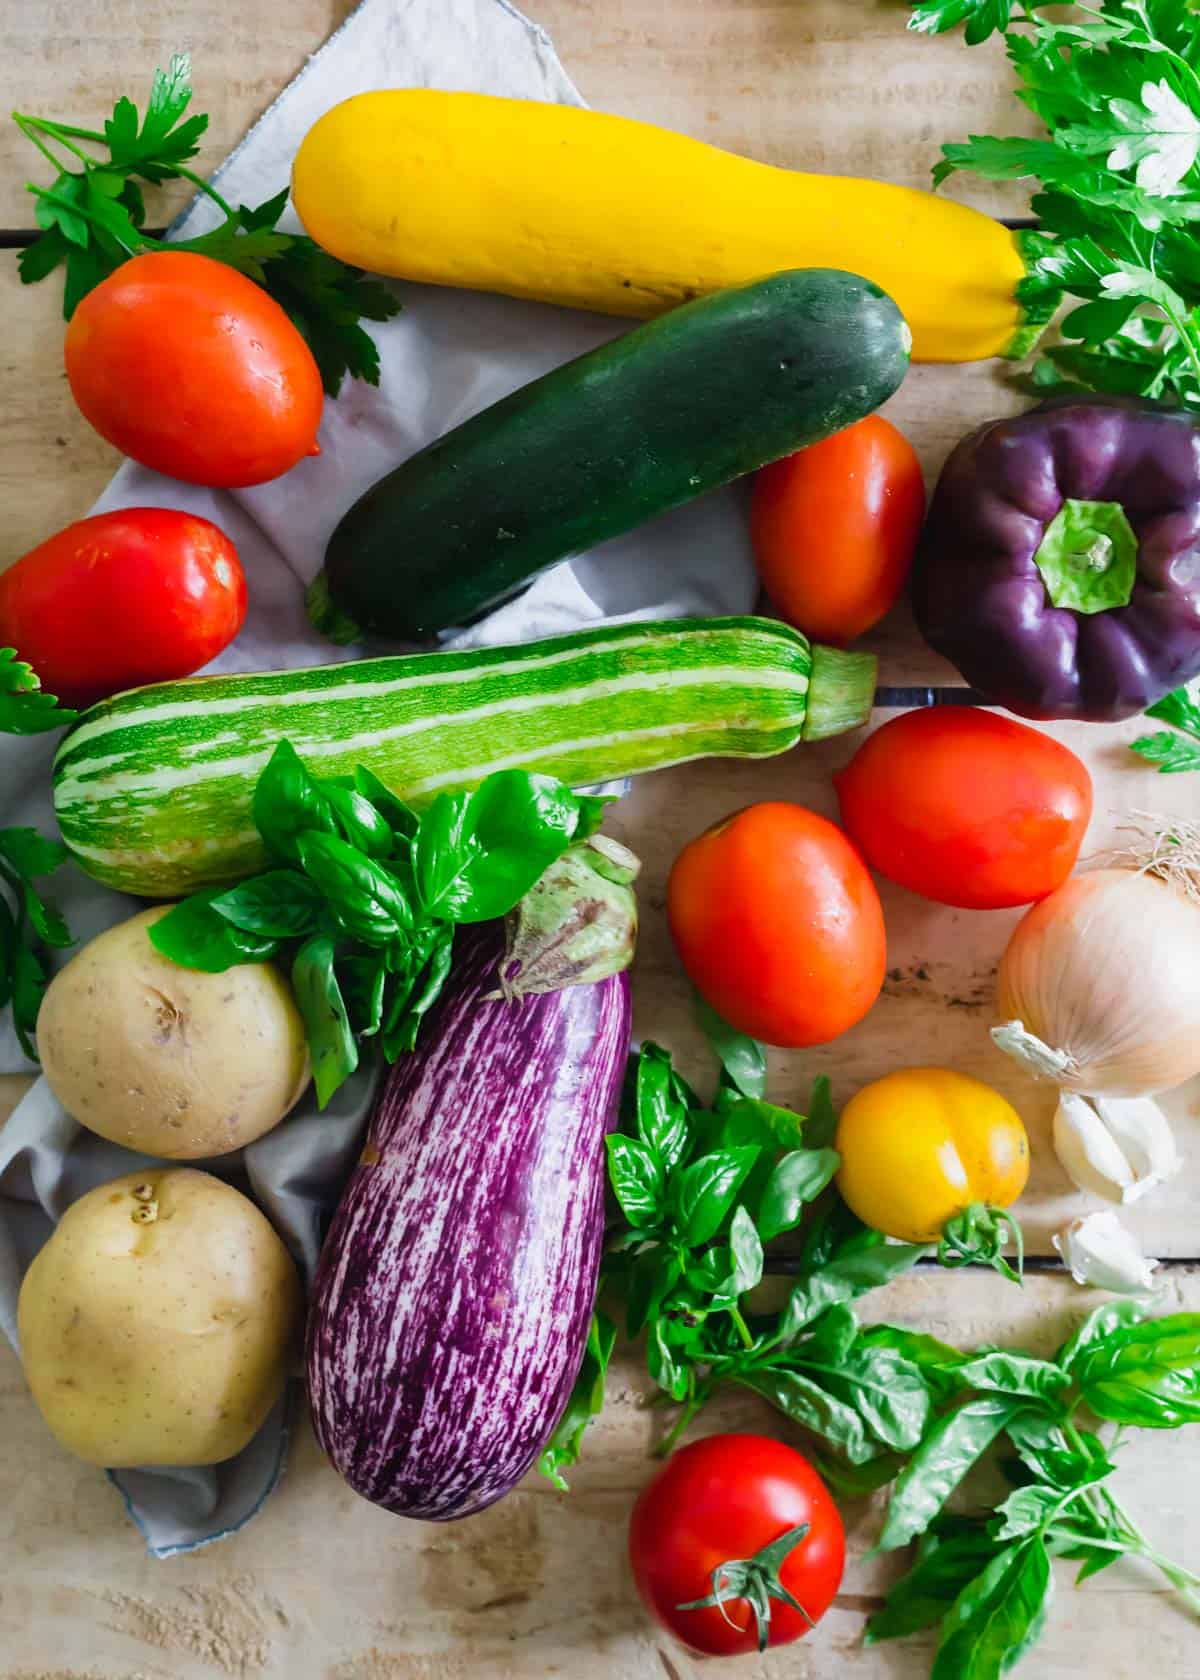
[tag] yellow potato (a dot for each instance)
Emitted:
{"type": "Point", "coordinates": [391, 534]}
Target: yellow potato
{"type": "Point", "coordinates": [167, 1060]}
{"type": "Point", "coordinates": [157, 1323]}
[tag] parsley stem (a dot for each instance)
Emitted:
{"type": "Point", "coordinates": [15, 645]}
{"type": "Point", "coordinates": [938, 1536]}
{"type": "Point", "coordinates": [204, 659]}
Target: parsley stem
{"type": "Point", "coordinates": [206, 188]}
{"type": "Point", "coordinates": [60, 130]}
{"type": "Point", "coordinates": [23, 123]}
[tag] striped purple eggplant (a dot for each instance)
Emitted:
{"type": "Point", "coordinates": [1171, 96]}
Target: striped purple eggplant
{"type": "Point", "coordinates": [454, 1291]}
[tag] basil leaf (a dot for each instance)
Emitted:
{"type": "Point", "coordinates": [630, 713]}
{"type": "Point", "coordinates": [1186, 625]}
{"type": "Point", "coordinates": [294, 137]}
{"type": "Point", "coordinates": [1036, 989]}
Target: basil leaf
{"type": "Point", "coordinates": [661, 1113]}
{"type": "Point", "coordinates": [796, 1179]}
{"type": "Point", "coordinates": [921, 1598]}
{"type": "Point", "coordinates": [476, 854]}
{"type": "Point", "coordinates": [712, 1272]}
{"type": "Point", "coordinates": [652, 1275]}
{"type": "Point", "coordinates": [833, 1335]}
{"type": "Point", "coordinates": [1045, 1450]}
{"type": "Point", "coordinates": [857, 1481]}
{"type": "Point", "coordinates": [749, 1120]}
{"type": "Point", "coordinates": [888, 1391]}
{"type": "Point", "coordinates": [662, 1363]}
{"type": "Point", "coordinates": [431, 958]}
{"type": "Point", "coordinates": [358, 822]}
{"type": "Point", "coordinates": [193, 935]}
{"type": "Point", "coordinates": [706, 1191]}
{"type": "Point", "coordinates": [952, 1446]}
{"type": "Point", "coordinates": [812, 1406]}
{"type": "Point", "coordinates": [363, 982]}
{"type": "Point", "coordinates": [1145, 1374]}
{"type": "Point", "coordinates": [1100, 1323]}
{"type": "Point", "coordinates": [996, 1617]}
{"type": "Point", "coordinates": [820, 1125]}
{"type": "Point", "coordinates": [937, 1361]}
{"type": "Point", "coordinates": [364, 898]}
{"type": "Point", "coordinates": [845, 1279]}
{"type": "Point", "coordinates": [1027, 1510]}
{"type": "Point", "coordinates": [400, 818]}
{"type": "Point", "coordinates": [586, 1400]}
{"type": "Point", "coordinates": [281, 904]}
{"type": "Point", "coordinates": [832, 1231]}
{"type": "Point", "coordinates": [287, 803]}
{"type": "Point", "coordinates": [746, 1251]}
{"type": "Point", "coordinates": [318, 997]}
{"type": "Point", "coordinates": [744, 1059]}
{"type": "Point", "coordinates": [1010, 1373]}
{"type": "Point", "coordinates": [636, 1177]}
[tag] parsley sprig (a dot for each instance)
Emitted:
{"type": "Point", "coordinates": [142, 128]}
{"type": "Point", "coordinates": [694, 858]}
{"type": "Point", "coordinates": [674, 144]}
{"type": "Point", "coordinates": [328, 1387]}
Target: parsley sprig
{"type": "Point", "coordinates": [93, 219]}
{"type": "Point", "coordinates": [24, 708]}
{"type": "Point", "coordinates": [1117, 87]}
{"type": "Point", "coordinates": [28, 925]}
{"type": "Point", "coordinates": [1178, 748]}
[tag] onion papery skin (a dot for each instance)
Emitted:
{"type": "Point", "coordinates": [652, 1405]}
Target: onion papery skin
{"type": "Point", "coordinates": [1107, 971]}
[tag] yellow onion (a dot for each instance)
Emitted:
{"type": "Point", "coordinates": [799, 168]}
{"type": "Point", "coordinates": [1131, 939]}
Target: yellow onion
{"type": "Point", "coordinates": [1099, 988]}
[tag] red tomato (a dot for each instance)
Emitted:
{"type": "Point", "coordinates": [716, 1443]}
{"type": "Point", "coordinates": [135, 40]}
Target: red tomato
{"type": "Point", "coordinates": [121, 599]}
{"type": "Point", "coordinates": [192, 369]}
{"type": "Point", "coordinates": [778, 924]}
{"type": "Point", "coordinates": [720, 1502]}
{"type": "Point", "coordinates": [835, 527]}
{"type": "Point", "coordinates": [966, 807]}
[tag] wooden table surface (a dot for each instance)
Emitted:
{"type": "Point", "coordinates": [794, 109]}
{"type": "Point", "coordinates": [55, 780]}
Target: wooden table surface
{"type": "Point", "coordinates": [322, 1586]}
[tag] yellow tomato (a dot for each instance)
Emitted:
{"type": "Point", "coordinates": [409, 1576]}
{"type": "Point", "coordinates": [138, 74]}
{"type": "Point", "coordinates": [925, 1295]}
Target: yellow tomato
{"type": "Point", "coordinates": [922, 1145]}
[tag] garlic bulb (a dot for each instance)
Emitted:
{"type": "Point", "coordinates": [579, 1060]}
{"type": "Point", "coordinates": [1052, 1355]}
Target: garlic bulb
{"type": "Point", "coordinates": [1099, 1251]}
{"type": "Point", "coordinates": [1099, 988]}
{"type": "Point", "coordinates": [1118, 1148]}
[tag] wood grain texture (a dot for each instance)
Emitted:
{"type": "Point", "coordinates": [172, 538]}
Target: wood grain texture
{"type": "Point", "coordinates": [324, 1587]}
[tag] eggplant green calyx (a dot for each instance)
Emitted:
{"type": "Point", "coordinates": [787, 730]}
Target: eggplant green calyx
{"type": "Point", "coordinates": [976, 1237]}
{"type": "Point", "coordinates": [755, 1579]}
{"type": "Point", "coordinates": [577, 924]}
{"type": "Point", "coordinates": [1088, 557]}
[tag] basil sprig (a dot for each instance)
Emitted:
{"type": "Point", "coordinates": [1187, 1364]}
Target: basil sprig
{"type": "Point", "coordinates": [364, 894]}
{"type": "Point", "coordinates": [700, 1189]}
{"type": "Point", "coordinates": [984, 1580]}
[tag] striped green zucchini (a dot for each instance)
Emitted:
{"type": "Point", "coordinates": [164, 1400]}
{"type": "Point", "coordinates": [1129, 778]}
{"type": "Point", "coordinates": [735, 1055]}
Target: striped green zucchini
{"type": "Point", "coordinates": [152, 788]}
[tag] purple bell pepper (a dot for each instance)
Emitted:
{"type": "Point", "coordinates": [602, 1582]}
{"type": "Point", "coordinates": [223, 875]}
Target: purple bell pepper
{"type": "Point", "coordinates": [1059, 569]}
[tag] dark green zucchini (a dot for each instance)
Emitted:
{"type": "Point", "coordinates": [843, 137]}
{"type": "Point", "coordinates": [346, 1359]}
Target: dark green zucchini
{"type": "Point", "coordinates": [676, 407]}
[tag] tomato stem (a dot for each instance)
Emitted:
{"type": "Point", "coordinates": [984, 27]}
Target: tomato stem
{"type": "Point", "coordinates": [756, 1581]}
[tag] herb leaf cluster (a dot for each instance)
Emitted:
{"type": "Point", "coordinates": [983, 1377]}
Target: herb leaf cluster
{"type": "Point", "coordinates": [29, 924]}
{"type": "Point", "coordinates": [93, 219]}
{"type": "Point", "coordinates": [1118, 92]}
{"type": "Point", "coordinates": [984, 1580]}
{"type": "Point", "coordinates": [1178, 748]}
{"type": "Point", "coordinates": [24, 708]}
{"type": "Point", "coordinates": [363, 895]}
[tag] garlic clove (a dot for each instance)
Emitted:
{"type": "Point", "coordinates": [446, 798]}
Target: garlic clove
{"type": "Point", "coordinates": [1144, 1136]}
{"type": "Point", "coordinates": [1118, 1148]}
{"type": "Point", "coordinates": [1099, 1251]}
{"type": "Point", "coordinates": [1087, 1151]}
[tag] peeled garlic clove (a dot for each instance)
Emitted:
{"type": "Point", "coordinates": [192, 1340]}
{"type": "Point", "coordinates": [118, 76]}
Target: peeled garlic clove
{"type": "Point", "coordinates": [1118, 1148]}
{"type": "Point", "coordinates": [1143, 1134]}
{"type": "Point", "coordinates": [1099, 1251]}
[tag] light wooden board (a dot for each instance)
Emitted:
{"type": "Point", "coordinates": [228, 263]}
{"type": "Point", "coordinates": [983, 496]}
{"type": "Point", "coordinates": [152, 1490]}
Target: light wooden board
{"type": "Point", "coordinates": [325, 1587]}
